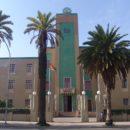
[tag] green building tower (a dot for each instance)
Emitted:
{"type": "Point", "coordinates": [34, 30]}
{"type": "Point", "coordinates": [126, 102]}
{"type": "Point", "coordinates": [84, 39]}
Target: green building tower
{"type": "Point", "coordinates": [68, 70]}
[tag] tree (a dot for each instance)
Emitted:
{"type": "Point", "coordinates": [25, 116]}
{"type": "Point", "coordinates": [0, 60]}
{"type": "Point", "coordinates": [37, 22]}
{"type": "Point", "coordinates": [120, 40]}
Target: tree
{"type": "Point", "coordinates": [44, 30]}
{"type": "Point", "coordinates": [5, 31]}
{"type": "Point", "coordinates": [108, 55]}
{"type": "Point", "coordinates": [2, 104]}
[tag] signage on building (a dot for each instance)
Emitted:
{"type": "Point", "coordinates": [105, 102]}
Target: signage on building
{"type": "Point", "coordinates": [87, 85]}
{"type": "Point", "coordinates": [67, 90]}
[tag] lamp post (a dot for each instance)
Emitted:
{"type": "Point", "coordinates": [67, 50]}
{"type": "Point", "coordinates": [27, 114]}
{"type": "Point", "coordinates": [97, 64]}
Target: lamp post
{"type": "Point", "coordinates": [33, 94]}
{"type": "Point", "coordinates": [49, 115]}
{"type": "Point", "coordinates": [49, 86]}
{"type": "Point", "coordinates": [83, 100]}
{"type": "Point", "coordinates": [33, 114]}
{"type": "Point", "coordinates": [8, 77]}
{"type": "Point", "coordinates": [34, 89]}
{"type": "Point", "coordinates": [84, 109]}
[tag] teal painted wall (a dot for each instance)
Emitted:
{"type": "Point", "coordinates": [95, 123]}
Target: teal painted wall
{"type": "Point", "coordinates": [74, 103]}
{"type": "Point", "coordinates": [61, 103]}
{"type": "Point", "coordinates": [88, 92]}
{"type": "Point", "coordinates": [86, 77]}
{"type": "Point", "coordinates": [67, 64]}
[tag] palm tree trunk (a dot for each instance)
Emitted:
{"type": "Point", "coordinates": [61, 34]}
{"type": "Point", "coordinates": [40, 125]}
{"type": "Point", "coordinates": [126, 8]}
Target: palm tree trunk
{"type": "Point", "coordinates": [42, 85]}
{"type": "Point", "coordinates": [109, 121]}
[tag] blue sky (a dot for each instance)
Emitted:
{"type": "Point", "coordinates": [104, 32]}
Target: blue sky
{"type": "Point", "coordinates": [90, 13]}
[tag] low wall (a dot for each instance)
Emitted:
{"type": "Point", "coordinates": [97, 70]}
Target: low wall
{"type": "Point", "coordinates": [15, 117]}
{"type": "Point", "coordinates": [15, 114]}
{"type": "Point", "coordinates": [121, 117]}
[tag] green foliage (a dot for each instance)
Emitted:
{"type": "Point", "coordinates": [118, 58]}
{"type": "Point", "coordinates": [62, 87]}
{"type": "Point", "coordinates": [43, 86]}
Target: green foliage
{"type": "Point", "coordinates": [2, 104]}
{"type": "Point", "coordinates": [5, 31]}
{"type": "Point", "coordinates": [43, 28]}
{"type": "Point", "coordinates": [16, 110]}
{"type": "Point", "coordinates": [120, 111]}
{"type": "Point", "coordinates": [106, 54]}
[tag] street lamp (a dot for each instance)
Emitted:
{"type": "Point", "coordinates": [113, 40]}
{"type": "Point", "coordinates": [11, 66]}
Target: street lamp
{"type": "Point", "coordinates": [83, 100]}
{"type": "Point", "coordinates": [98, 92]}
{"type": "Point", "coordinates": [83, 92]}
{"type": "Point", "coordinates": [49, 89]}
{"type": "Point", "coordinates": [49, 92]}
{"type": "Point", "coordinates": [34, 89]}
{"type": "Point", "coordinates": [49, 96]}
{"type": "Point", "coordinates": [7, 94]}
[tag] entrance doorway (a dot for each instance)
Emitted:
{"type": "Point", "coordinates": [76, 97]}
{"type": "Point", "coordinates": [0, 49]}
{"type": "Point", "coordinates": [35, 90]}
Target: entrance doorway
{"type": "Point", "coordinates": [67, 103]}
{"type": "Point", "coordinates": [89, 105]}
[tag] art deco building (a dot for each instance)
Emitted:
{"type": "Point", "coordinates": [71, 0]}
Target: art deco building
{"type": "Point", "coordinates": [65, 78]}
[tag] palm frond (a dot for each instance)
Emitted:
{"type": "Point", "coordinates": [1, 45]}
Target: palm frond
{"type": "Point", "coordinates": [5, 30]}
{"type": "Point", "coordinates": [106, 53]}
{"type": "Point", "coordinates": [44, 27]}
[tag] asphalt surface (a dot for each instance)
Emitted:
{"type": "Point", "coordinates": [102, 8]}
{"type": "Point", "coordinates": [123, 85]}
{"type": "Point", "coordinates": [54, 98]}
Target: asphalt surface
{"type": "Point", "coordinates": [64, 124]}
{"type": "Point", "coordinates": [62, 128]}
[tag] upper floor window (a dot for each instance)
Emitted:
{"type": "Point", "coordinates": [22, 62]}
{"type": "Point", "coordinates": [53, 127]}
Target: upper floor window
{"type": "Point", "coordinates": [11, 84]}
{"type": "Point", "coordinates": [125, 101]}
{"type": "Point", "coordinates": [67, 82]}
{"type": "Point", "coordinates": [87, 84]}
{"type": "Point", "coordinates": [10, 103]}
{"type": "Point", "coordinates": [66, 30]}
{"type": "Point", "coordinates": [27, 102]}
{"type": "Point", "coordinates": [28, 84]}
{"type": "Point", "coordinates": [124, 83]}
{"type": "Point", "coordinates": [29, 68]}
{"type": "Point", "coordinates": [12, 68]}
{"type": "Point", "coordinates": [48, 63]}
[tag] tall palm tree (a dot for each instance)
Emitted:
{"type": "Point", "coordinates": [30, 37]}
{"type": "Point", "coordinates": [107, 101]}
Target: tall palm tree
{"type": "Point", "coordinates": [44, 30]}
{"type": "Point", "coordinates": [106, 54]}
{"type": "Point", "coordinates": [5, 30]}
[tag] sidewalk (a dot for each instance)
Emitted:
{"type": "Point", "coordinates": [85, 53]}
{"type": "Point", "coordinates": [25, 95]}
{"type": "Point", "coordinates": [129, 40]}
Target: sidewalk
{"type": "Point", "coordinates": [19, 124]}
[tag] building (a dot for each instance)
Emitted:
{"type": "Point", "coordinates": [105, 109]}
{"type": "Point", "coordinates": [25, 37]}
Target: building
{"type": "Point", "coordinates": [65, 78]}
{"type": "Point", "coordinates": [17, 81]}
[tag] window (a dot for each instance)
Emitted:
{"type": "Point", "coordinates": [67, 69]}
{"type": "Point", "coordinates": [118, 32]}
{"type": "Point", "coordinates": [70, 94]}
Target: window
{"type": "Point", "coordinates": [87, 84]}
{"type": "Point", "coordinates": [125, 101]}
{"type": "Point", "coordinates": [48, 63]}
{"type": "Point", "coordinates": [10, 103]}
{"type": "Point", "coordinates": [67, 82]}
{"type": "Point", "coordinates": [124, 83]}
{"type": "Point", "coordinates": [66, 30]}
{"type": "Point", "coordinates": [89, 105]}
{"type": "Point", "coordinates": [27, 102]}
{"type": "Point", "coordinates": [28, 84]}
{"type": "Point", "coordinates": [29, 68]}
{"type": "Point", "coordinates": [12, 68]}
{"type": "Point", "coordinates": [11, 84]}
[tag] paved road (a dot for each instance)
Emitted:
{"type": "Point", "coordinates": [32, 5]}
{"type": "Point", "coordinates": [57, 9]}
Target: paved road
{"type": "Point", "coordinates": [63, 124]}
{"type": "Point", "coordinates": [62, 128]}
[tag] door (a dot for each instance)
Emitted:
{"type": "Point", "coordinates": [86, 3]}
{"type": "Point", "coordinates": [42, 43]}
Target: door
{"type": "Point", "coordinates": [67, 103]}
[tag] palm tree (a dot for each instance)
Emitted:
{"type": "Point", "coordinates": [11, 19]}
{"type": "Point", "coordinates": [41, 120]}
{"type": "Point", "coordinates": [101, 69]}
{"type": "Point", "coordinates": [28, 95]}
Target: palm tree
{"type": "Point", "coordinates": [106, 54]}
{"type": "Point", "coordinates": [44, 30]}
{"type": "Point", "coordinates": [5, 31]}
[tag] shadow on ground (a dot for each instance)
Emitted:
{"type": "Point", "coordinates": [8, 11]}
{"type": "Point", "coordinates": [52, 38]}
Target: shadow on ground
{"type": "Point", "coordinates": [58, 127]}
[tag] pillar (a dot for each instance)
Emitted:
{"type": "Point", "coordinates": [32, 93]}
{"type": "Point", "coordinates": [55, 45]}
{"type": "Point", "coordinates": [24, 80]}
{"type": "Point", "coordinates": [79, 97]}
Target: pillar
{"type": "Point", "coordinates": [84, 108]}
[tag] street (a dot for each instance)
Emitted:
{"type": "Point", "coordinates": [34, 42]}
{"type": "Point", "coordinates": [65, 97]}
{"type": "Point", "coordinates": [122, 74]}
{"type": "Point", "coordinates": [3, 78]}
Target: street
{"type": "Point", "coordinates": [71, 123]}
{"type": "Point", "coordinates": [64, 128]}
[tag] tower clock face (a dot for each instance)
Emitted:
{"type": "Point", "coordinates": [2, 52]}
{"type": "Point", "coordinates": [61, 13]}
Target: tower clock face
{"type": "Point", "coordinates": [66, 10]}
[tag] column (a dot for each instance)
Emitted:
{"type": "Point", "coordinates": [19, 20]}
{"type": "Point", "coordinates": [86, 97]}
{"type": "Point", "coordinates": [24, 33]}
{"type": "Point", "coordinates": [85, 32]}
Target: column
{"type": "Point", "coordinates": [84, 107]}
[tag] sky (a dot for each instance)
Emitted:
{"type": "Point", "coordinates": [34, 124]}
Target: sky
{"type": "Point", "coordinates": [90, 13]}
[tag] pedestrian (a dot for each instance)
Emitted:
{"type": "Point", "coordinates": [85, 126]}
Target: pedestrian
{"type": "Point", "coordinates": [101, 116]}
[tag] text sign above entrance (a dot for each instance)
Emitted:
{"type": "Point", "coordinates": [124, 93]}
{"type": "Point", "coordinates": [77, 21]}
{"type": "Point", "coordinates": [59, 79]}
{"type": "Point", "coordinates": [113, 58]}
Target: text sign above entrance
{"type": "Point", "coordinates": [67, 90]}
